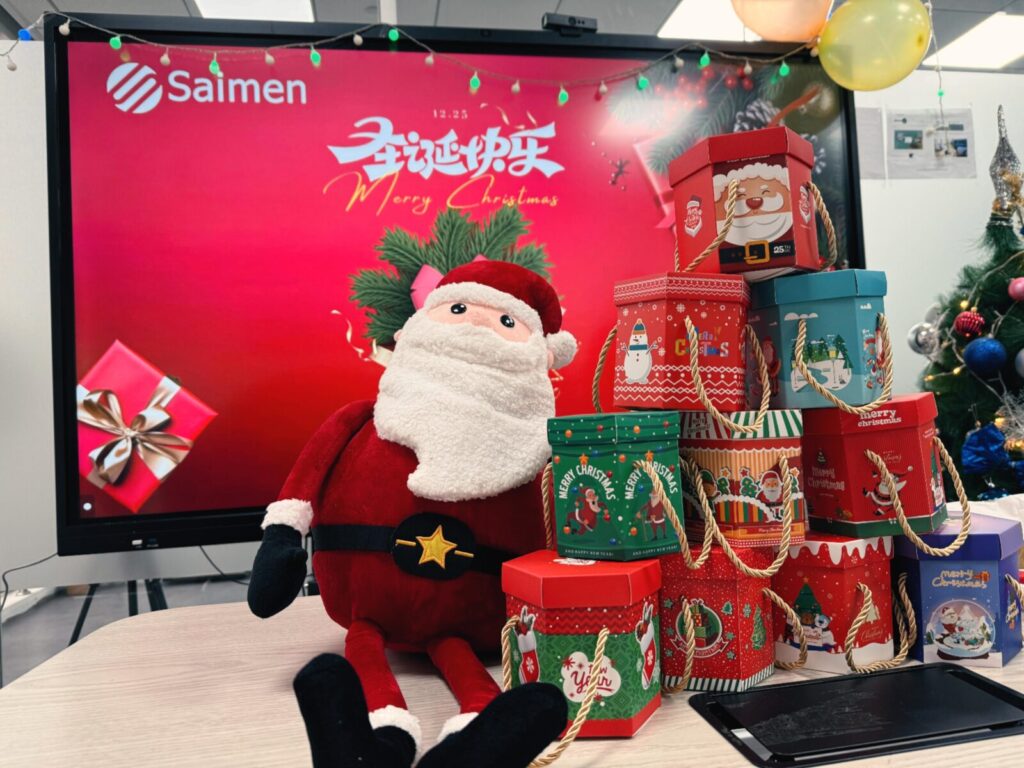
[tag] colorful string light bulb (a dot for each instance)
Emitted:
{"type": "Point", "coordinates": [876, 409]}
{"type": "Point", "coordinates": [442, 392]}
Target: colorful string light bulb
{"type": "Point", "coordinates": [642, 82]}
{"type": "Point", "coordinates": [315, 58]}
{"type": "Point", "coordinates": [165, 59]}
{"type": "Point", "coordinates": [784, 69]}
{"type": "Point", "coordinates": [563, 96]}
{"type": "Point", "coordinates": [705, 60]}
{"type": "Point", "coordinates": [268, 58]}
{"type": "Point", "coordinates": [394, 34]}
{"type": "Point", "coordinates": [215, 66]}
{"type": "Point", "coordinates": [115, 42]}
{"type": "Point", "coordinates": [516, 87]}
{"type": "Point", "coordinates": [474, 83]}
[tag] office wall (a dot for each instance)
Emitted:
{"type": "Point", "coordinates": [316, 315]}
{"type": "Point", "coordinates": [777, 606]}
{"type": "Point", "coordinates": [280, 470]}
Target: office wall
{"type": "Point", "coordinates": [919, 232]}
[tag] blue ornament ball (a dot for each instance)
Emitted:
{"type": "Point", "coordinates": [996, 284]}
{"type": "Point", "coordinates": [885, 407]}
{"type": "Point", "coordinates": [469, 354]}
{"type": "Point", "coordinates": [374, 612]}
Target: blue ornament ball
{"type": "Point", "coordinates": [985, 356]}
{"type": "Point", "coordinates": [24, 35]}
{"type": "Point", "coordinates": [613, 542]}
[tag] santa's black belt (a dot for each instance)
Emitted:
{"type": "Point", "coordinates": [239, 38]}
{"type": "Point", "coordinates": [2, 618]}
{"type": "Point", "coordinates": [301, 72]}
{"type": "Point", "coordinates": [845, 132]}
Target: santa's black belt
{"type": "Point", "coordinates": [426, 544]}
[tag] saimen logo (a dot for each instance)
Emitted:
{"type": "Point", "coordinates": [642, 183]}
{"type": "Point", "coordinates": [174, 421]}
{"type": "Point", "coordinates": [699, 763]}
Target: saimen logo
{"type": "Point", "coordinates": [136, 88]}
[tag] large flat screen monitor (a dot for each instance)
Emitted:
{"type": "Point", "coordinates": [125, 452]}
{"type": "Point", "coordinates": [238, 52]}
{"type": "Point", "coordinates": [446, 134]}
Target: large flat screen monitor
{"type": "Point", "coordinates": [206, 229]}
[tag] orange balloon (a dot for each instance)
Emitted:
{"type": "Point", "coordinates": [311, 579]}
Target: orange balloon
{"type": "Point", "coordinates": [790, 21]}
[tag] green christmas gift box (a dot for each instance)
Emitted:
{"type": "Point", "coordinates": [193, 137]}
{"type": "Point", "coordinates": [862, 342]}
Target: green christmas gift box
{"type": "Point", "coordinates": [844, 316]}
{"type": "Point", "coordinates": [741, 475]}
{"type": "Point", "coordinates": [731, 617]}
{"type": "Point", "coordinates": [559, 607]}
{"type": "Point", "coordinates": [605, 508]}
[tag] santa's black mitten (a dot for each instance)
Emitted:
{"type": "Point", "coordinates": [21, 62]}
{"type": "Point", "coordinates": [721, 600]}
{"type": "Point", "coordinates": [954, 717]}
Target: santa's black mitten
{"type": "Point", "coordinates": [511, 731]}
{"type": "Point", "coordinates": [337, 722]}
{"type": "Point", "coordinates": [277, 572]}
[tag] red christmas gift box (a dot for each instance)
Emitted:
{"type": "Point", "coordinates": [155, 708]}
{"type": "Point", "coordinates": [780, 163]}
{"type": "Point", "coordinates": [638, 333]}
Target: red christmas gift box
{"type": "Point", "coordinates": [652, 360]}
{"type": "Point", "coordinates": [742, 477]}
{"type": "Point", "coordinates": [846, 492]}
{"type": "Point", "coordinates": [819, 580]}
{"type": "Point", "coordinates": [732, 622]}
{"type": "Point", "coordinates": [135, 425]}
{"type": "Point", "coordinates": [560, 606]}
{"type": "Point", "coordinates": [773, 230]}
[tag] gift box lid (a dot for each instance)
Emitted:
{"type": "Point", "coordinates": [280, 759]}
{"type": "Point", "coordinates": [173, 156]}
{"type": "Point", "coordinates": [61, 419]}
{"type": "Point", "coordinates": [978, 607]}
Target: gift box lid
{"type": "Point", "coordinates": [991, 538]}
{"type": "Point", "coordinates": [545, 579]}
{"type": "Point", "coordinates": [842, 551]}
{"type": "Point", "coordinates": [682, 285]}
{"type": "Point", "coordinates": [614, 428]}
{"type": "Point", "coordinates": [749, 145]}
{"type": "Point", "coordinates": [818, 286]}
{"type": "Point", "coordinates": [902, 412]}
{"type": "Point", "coordinates": [778, 424]}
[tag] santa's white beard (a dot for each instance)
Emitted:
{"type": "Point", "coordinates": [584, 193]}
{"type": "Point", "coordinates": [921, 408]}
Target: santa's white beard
{"type": "Point", "coordinates": [762, 226]}
{"type": "Point", "coordinates": [471, 405]}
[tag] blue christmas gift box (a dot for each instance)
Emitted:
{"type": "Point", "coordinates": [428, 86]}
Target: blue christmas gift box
{"type": "Point", "coordinates": [841, 310]}
{"type": "Point", "coordinates": [967, 611]}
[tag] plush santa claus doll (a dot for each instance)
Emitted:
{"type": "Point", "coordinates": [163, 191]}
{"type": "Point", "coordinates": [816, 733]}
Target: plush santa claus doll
{"type": "Point", "coordinates": [413, 503]}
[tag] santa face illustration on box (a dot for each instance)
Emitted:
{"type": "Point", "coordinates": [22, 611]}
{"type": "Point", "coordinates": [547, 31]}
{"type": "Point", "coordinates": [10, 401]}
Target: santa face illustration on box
{"type": "Point", "coordinates": [764, 208]}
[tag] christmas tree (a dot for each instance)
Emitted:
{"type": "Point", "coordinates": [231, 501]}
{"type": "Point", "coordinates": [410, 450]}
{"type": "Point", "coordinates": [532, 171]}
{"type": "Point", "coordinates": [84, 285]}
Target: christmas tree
{"type": "Point", "coordinates": [974, 340]}
{"type": "Point", "coordinates": [806, 605]}
{"type": "Point", "coordinates": [454, 241]}
{"type": "Point", "coordinates": [758, 636]}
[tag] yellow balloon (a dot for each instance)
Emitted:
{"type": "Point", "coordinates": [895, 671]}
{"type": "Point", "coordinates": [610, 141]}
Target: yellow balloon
{"type": "Point", "coordinates": [872, 44]}
{"type": "Point", "coordinates": [794, 21]}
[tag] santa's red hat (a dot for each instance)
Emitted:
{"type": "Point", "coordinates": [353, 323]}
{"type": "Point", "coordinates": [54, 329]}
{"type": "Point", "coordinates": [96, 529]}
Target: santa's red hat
{"type": "Point", "coordinates": [514, 289]}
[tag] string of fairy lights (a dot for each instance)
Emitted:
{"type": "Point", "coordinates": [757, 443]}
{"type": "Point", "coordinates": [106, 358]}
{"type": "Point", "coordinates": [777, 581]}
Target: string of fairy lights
{"type": "Point", "coordinates": [216, 57]}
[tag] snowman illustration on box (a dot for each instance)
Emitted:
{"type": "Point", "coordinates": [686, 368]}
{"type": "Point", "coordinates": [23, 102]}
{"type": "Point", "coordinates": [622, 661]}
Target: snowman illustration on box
{"type": "Point", "coordinates": [638, 361]}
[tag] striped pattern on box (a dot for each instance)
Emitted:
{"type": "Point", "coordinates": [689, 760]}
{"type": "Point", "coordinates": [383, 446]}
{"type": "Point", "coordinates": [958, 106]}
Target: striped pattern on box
{"type": "Point", "coordinates": [698, 425]}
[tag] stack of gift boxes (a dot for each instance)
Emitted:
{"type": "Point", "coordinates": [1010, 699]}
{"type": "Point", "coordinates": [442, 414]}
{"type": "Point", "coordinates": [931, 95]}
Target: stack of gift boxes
{"type": "Point", "coordinates": [711, 443]}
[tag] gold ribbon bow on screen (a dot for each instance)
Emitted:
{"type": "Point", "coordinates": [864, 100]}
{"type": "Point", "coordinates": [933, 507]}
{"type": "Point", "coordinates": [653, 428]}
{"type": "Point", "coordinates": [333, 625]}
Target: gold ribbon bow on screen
{"type": "Point", "coordinates": [160, 451]}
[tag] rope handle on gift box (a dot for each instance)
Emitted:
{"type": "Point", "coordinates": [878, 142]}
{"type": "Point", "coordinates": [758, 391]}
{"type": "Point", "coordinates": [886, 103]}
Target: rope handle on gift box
{"type": "Point", "coordinates": [798, 629]}
{"type": "Point", "coordinates": [595, 387]}
{"type": "Point", "coordinates": [588, 697]}
{"type": "Point", "coordinates": [1016, 589]}
{"type": "Point", "coordinates": [730, 214]}
{"type": "Point", "coordinates": [545, 494]}
{"type": "Point", "coordinates": [698, 383]}
{"type": "Point", "coordinates": [712, 533]}
{"type": "Point", "coordinates": [901, 517]}
{"type": "Point", "coordinates": [830, 230]}
{"type": "Point", "coordinates": [658, 489]}
{"type": "Point", "coordinates": [906, 625]}
{"type": "Point", "coordinates": [689, 648]}
{"type": "Point", "coordinates": [881, 334]}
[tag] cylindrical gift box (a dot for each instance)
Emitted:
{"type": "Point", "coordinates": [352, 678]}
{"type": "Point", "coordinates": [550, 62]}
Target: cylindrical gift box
{"type": "Point", "coordinates": [741, 475]}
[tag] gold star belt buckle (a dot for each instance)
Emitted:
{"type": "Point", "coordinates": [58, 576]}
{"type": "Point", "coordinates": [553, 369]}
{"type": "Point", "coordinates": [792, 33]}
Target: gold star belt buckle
{"type": "Point", "coordinates": [433, 546]}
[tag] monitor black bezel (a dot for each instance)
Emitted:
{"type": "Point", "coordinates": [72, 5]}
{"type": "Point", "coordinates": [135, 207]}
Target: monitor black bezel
{"type": "Point", "coordinates": [77, 536]}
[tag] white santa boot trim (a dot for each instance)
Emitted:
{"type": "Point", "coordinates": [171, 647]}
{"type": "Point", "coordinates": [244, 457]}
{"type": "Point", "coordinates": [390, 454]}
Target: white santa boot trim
{"type": "Point", "coordinates": [294, 513]}
{"type": "Point", "coordinates": [455, 724]}
{"type": "Point", "coordinates": [399, 718]}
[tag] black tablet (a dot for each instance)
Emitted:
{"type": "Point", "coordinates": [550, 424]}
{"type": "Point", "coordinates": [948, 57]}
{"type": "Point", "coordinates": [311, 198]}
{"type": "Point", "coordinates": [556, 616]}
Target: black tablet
{"type": "Point", "coordinates": [859, 716]}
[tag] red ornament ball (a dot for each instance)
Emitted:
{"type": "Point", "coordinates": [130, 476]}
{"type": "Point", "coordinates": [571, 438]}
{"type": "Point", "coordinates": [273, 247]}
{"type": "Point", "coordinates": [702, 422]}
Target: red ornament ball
{"type": "Point", "coordinates": [968, 324]}
{"type": "Point", "coordinates": [730, 82]}
{"type": "Point", "coordinates": [607, 517]}
{"type": "Point", "coordinates": [1016, 289]}
{"type": "Point", "coordinates": [748, 84]}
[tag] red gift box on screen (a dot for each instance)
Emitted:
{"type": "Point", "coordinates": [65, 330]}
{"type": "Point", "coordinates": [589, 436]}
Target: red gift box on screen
{"type": "Point", "coordinates": [135, 425]}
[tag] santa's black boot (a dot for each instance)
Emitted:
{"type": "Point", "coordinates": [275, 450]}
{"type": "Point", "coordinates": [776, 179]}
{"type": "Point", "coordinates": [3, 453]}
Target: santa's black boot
{"type": "Point", "coordinates": [337, 722]}
{"type": "Point", "coordinates": [511, 731]}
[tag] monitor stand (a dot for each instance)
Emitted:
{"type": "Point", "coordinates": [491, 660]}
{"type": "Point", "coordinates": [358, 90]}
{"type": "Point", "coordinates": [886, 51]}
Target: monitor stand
{"type": "Point", "coordinates": [154, 592]}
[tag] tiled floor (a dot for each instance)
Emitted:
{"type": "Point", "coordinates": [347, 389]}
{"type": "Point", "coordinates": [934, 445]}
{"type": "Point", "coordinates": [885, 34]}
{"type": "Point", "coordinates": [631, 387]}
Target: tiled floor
{"type": "Point", "coordinates": [43, 631]}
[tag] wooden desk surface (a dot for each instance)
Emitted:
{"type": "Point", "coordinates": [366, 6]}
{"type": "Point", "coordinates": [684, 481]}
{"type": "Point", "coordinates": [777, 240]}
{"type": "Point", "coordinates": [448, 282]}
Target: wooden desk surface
{"type": "Point", "coordinates": [211, 686]}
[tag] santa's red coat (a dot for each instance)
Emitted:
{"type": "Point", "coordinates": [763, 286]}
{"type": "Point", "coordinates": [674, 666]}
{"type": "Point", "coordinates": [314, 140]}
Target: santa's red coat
{"type": "Point", "coordinates": [352, 476]}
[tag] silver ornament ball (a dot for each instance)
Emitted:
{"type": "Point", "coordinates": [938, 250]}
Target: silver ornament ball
{"type": "Point", "coordinates": [923, 338]}
{"type": "Point", "coordinates": [1018, 363]}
